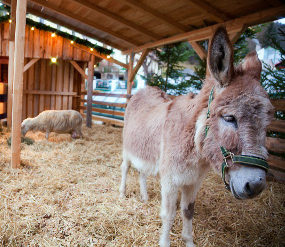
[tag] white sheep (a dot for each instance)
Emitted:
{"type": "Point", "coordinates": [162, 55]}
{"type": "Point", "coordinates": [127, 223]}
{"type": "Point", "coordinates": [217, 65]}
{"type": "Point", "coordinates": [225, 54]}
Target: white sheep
{"type": "Point", "coordinates": [59, 121]}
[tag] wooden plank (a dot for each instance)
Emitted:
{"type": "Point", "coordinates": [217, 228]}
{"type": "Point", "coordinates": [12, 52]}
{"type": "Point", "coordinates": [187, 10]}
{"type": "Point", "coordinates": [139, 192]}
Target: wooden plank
{"type": "Point", "coordinates": [5, 41]}
{"type": "Point", "coordinates": [18, 83]}
{"type": "Point", "coordinates": [24, 111]}
{"type": "Point", "coordinates": [276, 161]}
{"type": "Point", "coordinates": [139, 63]}
{"type": "Point", "coordinates": [30, 64]}
{"type": "Point", "coordinates": [89, 91]}
{"type": "Point", "coordinates": [159, 16]}
{"type": "Point", "coordinates": [42, 85]}
{"type": "Point", "coordinates": [232, 26]}
{"type": "Point", "coordinates": [4, 60]}
{"type": "Point", "coordinates": [108, 120]}
{"type": "Point", "coordinates": [53, 85]}
{"type": "Point", "coordinates": [42, 44]}
{"type": "Point", "coordinates": [59, 82]}
{"type": "Point", "coordinates": [106, 111]}
{"type": "Point", "coordinates": [277, 125]}
{"type": "Point", "coordinates": [79, 69]}
{"type": "Point", "coordinates": [36, 86]}
{"type": "Point", "coordinates": [13, 20]}
{"type": "Point", "coordinates": [1, 36]}
{"type": "Point", "coordinates": [97, 54]}
{"type": "Point", "coordinates": [71, 85]}
{"type": "Point", "coordinates": [42, 92]}
{"type": "Point", "coordinates": [82, 87]}
{"type": "Point", "coordinates": [36, 52]}
{"type": "Point", "coordinates": [10, 82]}
{"type": "Point", "coordinates": [98, 93]}
{"type": "Point", "coordinates": [27, 33]}
{"type": "Point", "coordinates": [88, 22]}
{"type": "Point", "coordinates": [279, 104]}
{"type": "Point", "coordinates": [67, 50]}
{"type": "Point", "coordinates": [58, 46]}
{"type": "Point", "coordinates": [48, 45]}
{"type": "Point", "coordinates": [209, 10]}
{"type": "Point", "coordinates": [122, 105]}
{"type": "Point", "coordinates": [275, 144]}
{"type": "Point", "coordinates": [118, 18]}
{"type": "Point", "coordinates": [65, 85]}
{"type": "Point", "coordinates": [130, 71]}
{"type": "Point", "coordinates": [31, 43]}
{"type": "Point", "coordinates": [201, 52]}
{"type": "Point", "coordinates": [31, 77]}
{"type": "Point", "coordinates": [47, 104]}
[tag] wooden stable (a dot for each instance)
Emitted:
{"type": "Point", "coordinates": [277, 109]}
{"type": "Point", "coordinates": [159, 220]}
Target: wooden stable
{"type": "Point", "coordinates": [132, 26]}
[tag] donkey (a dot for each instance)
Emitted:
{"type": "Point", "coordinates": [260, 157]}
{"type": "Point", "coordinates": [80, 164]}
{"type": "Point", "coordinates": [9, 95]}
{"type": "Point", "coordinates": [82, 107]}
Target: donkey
{"type": "Point", "coordinates": [181, 138]}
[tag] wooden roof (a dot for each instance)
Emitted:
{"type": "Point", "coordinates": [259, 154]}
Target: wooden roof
{"type": "Point", "coordinates": [133, 25]}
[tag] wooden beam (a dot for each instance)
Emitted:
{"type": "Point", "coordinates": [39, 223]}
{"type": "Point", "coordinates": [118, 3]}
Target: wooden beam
{"type": "Point", "coordinates": [30, 64]}
{"type": "Point", "coordinates": [79, 69]}
{"type": "Point", "coordinates": [67, 25]}
{"type": "Point", "coordinates": [41, 92]}
{"type": "Point", "coordinates": [90, 91]}
{"type": "Point", "coordinates": [209, 10]}
{"type": "Point", "coordinates": [118, 18]}
{"type": "Point", "coordinates": [130, 71]}
{"type": "Point", "coordinates": [85, 21]}
{"type": "Point", "coordinates": [18, 82]}
{"type": "Point", "coordinates": [11, 61]}
{"type": "Point", "coordinates": [13, 20]}
{"type": "Point", "coordinates": [232, 26]}
{"type": "Point", "coordinates": [159, 16]}
{"type": "Point", "coordinates": [201, 52]}
{"type": "Point", "coordinates": [139, 63]}
{"type": "Point", "coordinates": [235, 36]}
{"type": "Point", "coordinates": [97, 54]}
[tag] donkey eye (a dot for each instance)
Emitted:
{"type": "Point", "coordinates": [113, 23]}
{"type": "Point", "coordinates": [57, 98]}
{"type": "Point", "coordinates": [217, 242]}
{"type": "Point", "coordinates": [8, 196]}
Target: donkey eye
{"type": "Point", "coordinates": [229, 118]}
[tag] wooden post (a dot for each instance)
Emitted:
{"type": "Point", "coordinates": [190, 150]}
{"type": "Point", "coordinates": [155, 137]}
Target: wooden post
{"type": "Point", "coordinates": [90, 91]}
{"type": "Point", "coordinates": [11, 61]}
{"type": "Point", "coordinates": [130, 70]}
{"type": "Point", "coordinates": [18, 82]}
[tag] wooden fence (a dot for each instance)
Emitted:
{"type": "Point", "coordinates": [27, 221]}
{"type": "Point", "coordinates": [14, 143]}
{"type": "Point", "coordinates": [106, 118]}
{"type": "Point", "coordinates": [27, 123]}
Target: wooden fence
{"type": "Point", "coordinates": [107, 112]}
{"type": "Point", "coordinates": [3, 100]}
{"type": "Point", "coordinates": [276, 144]}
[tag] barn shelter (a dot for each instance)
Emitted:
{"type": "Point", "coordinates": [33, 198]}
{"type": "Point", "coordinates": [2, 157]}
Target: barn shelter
{"type": "Point", "coordinates": [128, 25]}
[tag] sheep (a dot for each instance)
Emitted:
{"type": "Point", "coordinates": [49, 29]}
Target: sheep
{"type": "Point", "coordinates": [59, 121]}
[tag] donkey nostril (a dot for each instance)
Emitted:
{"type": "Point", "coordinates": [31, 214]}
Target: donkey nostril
{"type": "Point", "coordinates": [248, 189]}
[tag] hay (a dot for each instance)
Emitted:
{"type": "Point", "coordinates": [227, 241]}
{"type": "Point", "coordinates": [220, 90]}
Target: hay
{"type": "Point", "coordinates": [66, 194]}
{"type": "Point", "coordinates": [25, 140]}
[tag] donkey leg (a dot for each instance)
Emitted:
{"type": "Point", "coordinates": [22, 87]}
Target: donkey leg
{"type": "Point", "coordinates": [188, 196]}
{"type": "Point", "coordinates": [169, 194]}
{"type": "Point", "coordinates": [143, 187]}
{"type": "Point", "coordinates": [124, 168]}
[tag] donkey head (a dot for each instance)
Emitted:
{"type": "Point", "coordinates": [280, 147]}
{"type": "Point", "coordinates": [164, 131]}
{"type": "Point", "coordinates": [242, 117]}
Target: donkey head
{"type": "Point", "coordinates": [239, 115]}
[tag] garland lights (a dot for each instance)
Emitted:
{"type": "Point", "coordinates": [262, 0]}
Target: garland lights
{"type": "Point", "coordinates": [54, 31]}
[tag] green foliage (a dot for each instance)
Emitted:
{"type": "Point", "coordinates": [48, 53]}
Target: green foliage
{"type": "Point", "coordinates": [272, 79]}
{"type": "Point", "coordinates": [171, 78]}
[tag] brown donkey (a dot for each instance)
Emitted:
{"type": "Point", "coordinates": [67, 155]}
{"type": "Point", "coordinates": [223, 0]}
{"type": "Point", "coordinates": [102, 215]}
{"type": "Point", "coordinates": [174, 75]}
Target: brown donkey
{"type": "Point", "coordinates": [181, 138]}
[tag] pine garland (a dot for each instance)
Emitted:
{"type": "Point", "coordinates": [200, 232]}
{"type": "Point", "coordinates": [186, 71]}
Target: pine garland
{"type": "Point", "coordinates": [65, 35]}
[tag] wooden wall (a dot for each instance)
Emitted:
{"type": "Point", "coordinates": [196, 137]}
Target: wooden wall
{"type": "Point", "coordinates": [40, 44]}
{"type": "Point", "coordinates": [50, 86]}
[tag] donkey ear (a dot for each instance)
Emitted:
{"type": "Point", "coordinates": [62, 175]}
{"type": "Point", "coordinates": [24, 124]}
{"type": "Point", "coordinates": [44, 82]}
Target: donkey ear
{"type": "Point", "coordinates": [252, 65]}
{"type": "Point", "coordinates": [220, 57]}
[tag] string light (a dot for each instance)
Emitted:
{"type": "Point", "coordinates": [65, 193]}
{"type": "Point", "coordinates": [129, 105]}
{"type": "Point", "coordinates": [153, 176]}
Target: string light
{"type": "Point", "coordinates": [10, 21]}
{"type": "Point", "coordinates": [53, 35]}
{"type": "Point", "coordinates": [108, 56]}
{"type": "Point", "coordinates": [53, 59]}
{"type": "Point", "coordinates": [91, 49]}
{"type": "Point", "coordinates": [32, 28]}
{"type": "Point", "coordinates": [71, 41]}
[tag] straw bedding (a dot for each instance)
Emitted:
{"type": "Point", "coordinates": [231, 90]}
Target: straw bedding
{"type": "Point", "coordinates": [66, 194]}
